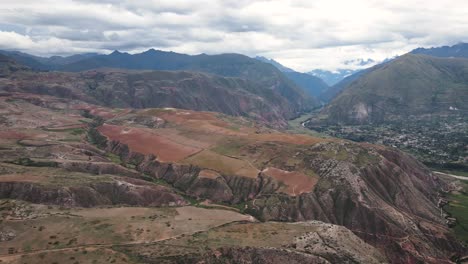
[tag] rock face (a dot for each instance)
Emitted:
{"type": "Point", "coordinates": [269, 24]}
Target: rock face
{"type": "Point", "coordinates": [137, 193]}
{"type": "Point", "coordinates": [391, 204]}
{"type": "Point", "coordinates": [250, 255]}
{"type": "Point", "coordinates": [98, 168]}
{"type": "Point", "coordinates": [336, 244]}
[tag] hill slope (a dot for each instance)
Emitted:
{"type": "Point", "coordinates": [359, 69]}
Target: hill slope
{"type": "Point", "coordinates": [312, 85]}
{"type": "Point", "coordinates": [409, 85]}
{"type": "Point", "coordinates": [278, 65]}
{"type": "Point", "coordinates": [145, 89]}
{"type": "Point", "coordinates": [330, 93]}
{"type": "Point", "coordinates": [9, 66]}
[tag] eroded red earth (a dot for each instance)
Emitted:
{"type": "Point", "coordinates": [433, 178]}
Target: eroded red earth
{"type": "Point", "coordinates": [146, 142]}
{"type": "Point", "coordinates": [297, 182]}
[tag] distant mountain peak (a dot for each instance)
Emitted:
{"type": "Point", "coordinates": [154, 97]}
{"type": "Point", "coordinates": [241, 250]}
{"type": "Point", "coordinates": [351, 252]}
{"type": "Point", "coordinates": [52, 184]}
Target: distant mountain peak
{"type": "Point", "coordinates": [312, 85]}
{"type": "Point", "coordinates": [117, 53]}
{"type": "Point", "coordinates": [278, 65]}
{"type": "Point", "coordinates": [151, 51]}
{"type": "Point", "coordinates": [332, 77]}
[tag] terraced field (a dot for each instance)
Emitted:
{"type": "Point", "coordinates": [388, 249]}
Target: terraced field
{"type": "Point", "coordinates": [204, 139]}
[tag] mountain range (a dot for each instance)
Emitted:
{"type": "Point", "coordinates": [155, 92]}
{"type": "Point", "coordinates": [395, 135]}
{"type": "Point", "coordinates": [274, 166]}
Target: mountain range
{"type": "Point", "coordinates": [323, 84]}
{"type": "Point", "coordinates": [311, 83]}
{"type": "Point", "coordinates": [267, 93]}
{"type": "Point", "coordinates": [456, 51]}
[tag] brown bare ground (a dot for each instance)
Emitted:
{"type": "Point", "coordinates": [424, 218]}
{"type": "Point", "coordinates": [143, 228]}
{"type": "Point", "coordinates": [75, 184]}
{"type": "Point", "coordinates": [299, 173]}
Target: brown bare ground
{"type": "Point", "coordinates": [179, 116]}
{"type": "Point", "coordinates": [288, 138]}
{"type": "Point", "coordinates": [223, 164]}
{"type": "Point", "coordinates": [88, 227]}
{"type": "Point", "coordinates": [297, 182]}
{"type": "Point", "coordinates": [11, 134]}
{"type": "Point", "coordinates": [70, 126]}
{"type": "Point", "coordinates": [199, 121]}
{"type": "Point", "coordinates": [21, 178]}
{"type": "Point", "coordinates": [210, 174]}
{"type": "Point", "coordinates": [196, 140]}
{"type": "Point", "coordinates": [145, 142]}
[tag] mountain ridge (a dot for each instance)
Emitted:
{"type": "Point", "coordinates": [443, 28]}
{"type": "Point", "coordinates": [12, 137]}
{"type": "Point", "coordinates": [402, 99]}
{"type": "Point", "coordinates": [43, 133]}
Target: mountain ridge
{"type": "Point", "coordinates": [409, 85]}
{"type": "Point", "coordinates": [459, 50]}
{"type": "Point", "coordinates": [257, 78]}
{"type": "Point", "coordinates": [313, 85]}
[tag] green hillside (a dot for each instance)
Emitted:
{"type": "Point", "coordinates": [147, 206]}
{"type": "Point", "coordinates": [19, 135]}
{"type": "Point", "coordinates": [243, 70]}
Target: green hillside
{"type": "Point", "coordinates": [409, 85]}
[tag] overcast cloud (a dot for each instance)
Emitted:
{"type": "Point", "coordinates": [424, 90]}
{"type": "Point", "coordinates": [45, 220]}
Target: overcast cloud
{"type": "Point", "coordinates": [302, 34]}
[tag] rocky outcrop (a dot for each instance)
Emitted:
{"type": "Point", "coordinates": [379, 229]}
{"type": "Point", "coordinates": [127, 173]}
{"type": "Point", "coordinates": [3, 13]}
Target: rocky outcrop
{"type": "Point", "coordinates": [336, 244]}
{"type": "Point", "coordinates": [130, 192]}
{"type": "Point", "coordinates": [98, 168]}
{"type": "Point", "coordinates": [391, 204]}
{"type": "Point", "coordinates": [231, 255]}
{"type": "Point", "coordinates": [322, 243]}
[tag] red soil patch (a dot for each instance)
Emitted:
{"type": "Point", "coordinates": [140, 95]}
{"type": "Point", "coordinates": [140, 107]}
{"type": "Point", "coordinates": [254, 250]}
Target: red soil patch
{"type": "Point", "coordinates": [105, 113]}
{"type": "Point", "coordinates": [297, 182]}
{"type": "Point", "coordinates": [201, 121]}
{"type": "Point", "coordinates": [222, 164]}
{"type": "Point", "coordinates": [179, 116]}
{"type": "Point", "coordinates": [208, 174]}
{"type": "Point", "coordinates": [197, 140]}
{"type": "Point", "coordinates": [209, 122]}
{"type": "Point", "coordinates": [289, 138]}
{"type": "Point", "coordinates": [145, 142]}
{"type": "Point", "coordinates": [21, 178]}
{"type": "Point", "coordinates": [11, 134]}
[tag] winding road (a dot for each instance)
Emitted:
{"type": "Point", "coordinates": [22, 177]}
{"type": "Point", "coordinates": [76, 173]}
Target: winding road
{"type": "Point", "coordinates": [450, 175]}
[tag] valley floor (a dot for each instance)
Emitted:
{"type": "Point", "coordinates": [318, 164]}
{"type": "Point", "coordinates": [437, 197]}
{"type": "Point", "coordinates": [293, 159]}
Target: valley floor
{"type": "Point", "coordinates": [440, 142]}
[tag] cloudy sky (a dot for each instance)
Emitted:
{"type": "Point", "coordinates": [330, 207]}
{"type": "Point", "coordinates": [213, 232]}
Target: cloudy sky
{"type": "Point", "coordinates": [302, 34]}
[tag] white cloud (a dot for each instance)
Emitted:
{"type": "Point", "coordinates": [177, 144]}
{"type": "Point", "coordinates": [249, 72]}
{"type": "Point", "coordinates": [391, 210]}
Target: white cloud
{"type": "Point", "coordinates": [301, 34]}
